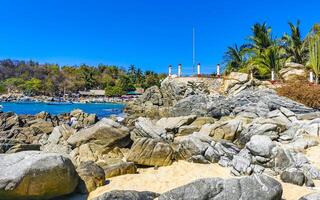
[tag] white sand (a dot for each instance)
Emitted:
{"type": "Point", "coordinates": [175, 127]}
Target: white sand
{"type": "Point", "coordinates": [181, 173]}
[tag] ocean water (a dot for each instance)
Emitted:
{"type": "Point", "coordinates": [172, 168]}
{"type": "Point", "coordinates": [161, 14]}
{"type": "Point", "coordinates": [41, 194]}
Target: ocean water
{"type": "Point", "coordinates": [100, 109]}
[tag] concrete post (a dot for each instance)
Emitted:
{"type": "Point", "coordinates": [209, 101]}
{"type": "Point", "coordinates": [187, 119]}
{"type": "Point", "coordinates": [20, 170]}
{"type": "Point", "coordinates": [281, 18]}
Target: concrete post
{"type": "Point", "coordinates": [272, 76]}
{"type": "Point", "coordinates": [170, 70]}
{"type": "Point", "coordinates": [179, 70]}
{"type": "Point", "coordinates": [311, 77]}
{"type": "Point", "coordinates": [198, 70]}
{"type": "Point", "coordinates": [218, 70]}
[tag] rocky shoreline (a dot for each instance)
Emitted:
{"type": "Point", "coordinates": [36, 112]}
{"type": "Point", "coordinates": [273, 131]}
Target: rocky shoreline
{"type": "Point", "coordinates": [238, 123]}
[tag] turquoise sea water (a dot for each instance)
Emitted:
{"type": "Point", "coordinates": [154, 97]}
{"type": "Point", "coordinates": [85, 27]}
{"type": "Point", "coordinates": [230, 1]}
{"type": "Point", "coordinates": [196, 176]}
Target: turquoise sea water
{"type": "Point", "coordinates": [100, 109]}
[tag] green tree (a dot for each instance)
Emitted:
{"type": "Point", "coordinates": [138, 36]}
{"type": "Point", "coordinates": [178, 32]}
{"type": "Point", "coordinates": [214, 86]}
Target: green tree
{"type": "Point", "coordinates": [2, 88]}
{"type": "Point", "coordinates": [114, 91]}
{"type": "Point", "coordinates": [293, 45]}
{"type": "Point", "coordinates": [266, 54]}
{"type": "Point", "coordinates": [270, 59]}
{"type": "Point", "coordinates": [87, 75]}
{"type": "Point", "coordinates": [236, 58]}
{"type": "Point", "coordinates": [13, 83]}
{"type": "Point", "coordinates": [314, 55]}
{"type": "Point", "coordinates": [261, 38]}
{"type": "Point", "coordinates": [32, 86]}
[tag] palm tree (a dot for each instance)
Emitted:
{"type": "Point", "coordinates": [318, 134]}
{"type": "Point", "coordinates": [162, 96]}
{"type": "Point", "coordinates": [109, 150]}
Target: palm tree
{"type": "Point", "coordinates": [270, 59]}
{"type": "Point", "coordinates": [314, 55]}
{"type": "Point", "coordinates": [139, 75]}
{"type": "Point", "coordinates": [132, 70]}
{"type": "Point", "coordinates": [261, 38]}
{"type": "Point", "coordinates": [235, 57]}
{"type": "Point", "coordinates": [294, 47]}
{"type": "Point", "coordinates": [266, 54]}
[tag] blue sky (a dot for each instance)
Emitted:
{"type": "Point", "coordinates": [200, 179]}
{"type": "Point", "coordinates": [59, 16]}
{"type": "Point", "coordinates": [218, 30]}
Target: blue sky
{"type": "Point", "coordinates": [150, 34]}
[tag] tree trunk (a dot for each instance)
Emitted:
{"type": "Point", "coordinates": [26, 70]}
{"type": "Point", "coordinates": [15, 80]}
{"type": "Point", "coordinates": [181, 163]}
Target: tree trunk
{"type": "Point", "coordinates": [317, 79]}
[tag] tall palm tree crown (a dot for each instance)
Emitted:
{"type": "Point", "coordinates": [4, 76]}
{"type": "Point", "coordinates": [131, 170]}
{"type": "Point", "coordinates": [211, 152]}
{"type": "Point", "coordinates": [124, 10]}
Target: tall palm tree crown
{"type": "Point", "coordinates": [293, 44]}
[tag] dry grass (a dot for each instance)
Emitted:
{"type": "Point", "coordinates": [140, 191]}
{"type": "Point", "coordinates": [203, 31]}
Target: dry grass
{"type": "Point", "coordinates": [303, 92]}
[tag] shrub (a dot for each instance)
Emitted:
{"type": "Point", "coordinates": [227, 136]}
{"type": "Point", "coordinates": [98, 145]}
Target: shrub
{"type": "Point", "coordinates": [303, 92]}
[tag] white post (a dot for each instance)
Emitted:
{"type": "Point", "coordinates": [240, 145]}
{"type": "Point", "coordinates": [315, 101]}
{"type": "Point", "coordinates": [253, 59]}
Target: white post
{"type": "Point", "coordinates": [179, 70]}
{"type": "Point", "coordinates": [198, 69]}
{"type": "Point", "coordinates": [272, 75]}
{"type": "Point", "coordinates": [311, 77]}
{"type": "Point", "coordinates": [170, 70]}
{"type": "Point", "coordinates": [218, 70]}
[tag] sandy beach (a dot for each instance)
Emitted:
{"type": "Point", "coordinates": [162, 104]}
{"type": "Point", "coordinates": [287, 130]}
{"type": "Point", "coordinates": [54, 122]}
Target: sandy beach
{"type": "Point", "coordinates": [180, 173]}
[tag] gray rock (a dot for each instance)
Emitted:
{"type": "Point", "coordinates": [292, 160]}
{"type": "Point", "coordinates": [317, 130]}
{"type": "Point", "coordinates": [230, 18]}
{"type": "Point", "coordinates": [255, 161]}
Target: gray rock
{"type": "Point", "coordinates": [293, 71]}
{"type": "Point", "coordinates": [311, 171]}
{"type": "Point", "coordinates": [312, 196]}
{"type": "Point", "coordinates": [153, 95]}
{"type": "Point", "coordinates": [212, 155]}
{"type": "Point", "coordinates": [198, 159]}
{"type": "Point", "coordinates": [172, 91]}
{"type": "Point", "coordinates": [222, 107]}
{"type": "Point", "coordinates": [260, 145]}
{"type": "Point", "coordinates": [187, 130]}
{"type": "Point", "coordinates": [288, 113]}
{"type": "Point", "coordinates": [118, 168]}
{"type": "Point", "coordinates": [293, 176]}
{"type": "Point", "coordinates": [23, 147]}
{"type": "Point", "coordinates": [191, 105]}
{"type": "Point", "coordinates": [127, 195]}
{"type": "Point", "coordinates": [36, 175]}
{"type": "Point", "coordinates": [271, 130]}
{"type": "Point", "coordinates": [189, 146]}
{"type": "Point", "coordinates": [91, 175]}
{"type": "Point", "coordinates": [309, 116]}
{"type": "Point", "coordinates": [258, 187]}
{"type": "Point", "coordinates": [144, 127]}
{"type": "Point", "coordinates": [223, 129]}
{"type": "Point", "coordinates": [241, 164]}
{"type": "Point", "coordinates": [151, 152]}
{"type": "Point", "coordinates": [104, 133]}
{"type": "Point", "coordinates": [172, 124]}
{"type": "Point", "coordinates": [224, 161]}
{"type": "Point", "coordinates": [283, 159]}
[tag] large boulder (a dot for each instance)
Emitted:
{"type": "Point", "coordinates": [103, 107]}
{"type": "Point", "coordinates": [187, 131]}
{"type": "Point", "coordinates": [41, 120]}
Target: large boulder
{"type": "Point", "coordinates": [153, 95]}
{"type": "Point", "coordinates": [151, 152]}
{"type": "Point", "coordinates": [9, 120]}
{"type": "Point", "coordinates": [190, 147]}
{"type": "Point", "coordinates": [117, 168]}
{"type": "Point", "coordinates": [36, 175]}
{"type": "Point", "coordinates": [105, 133]}
{"type": "Point", "coordinates": [172, 90]}
{"type": "Point", "coordinates": [221, 106]}
{"type": "Point", "coordinates": [144, 127]}
{"type": "Point", "coordinates": [164, 128]}
{"type": "Point", "coordinates": [260, 145]}
{"type": "Point", "coordinates": [82, 119]}
{"type": "Point", "coordinates": [294, 176]}
{"type": "Point", "coordinates": [292, 71]}
{"type": "Point", "coordinates": [191, 105]}
{"type": "Point", "coordinates": [312, 196]}
{"type": "Point", "coordinates": [127, 195]}
{"type": "Point", "coordinates": [41, 126]}
{"type": "Point", "coordinates": [91, 175]}
{"type": "Point", "coordinates": [232, 80]}
{"type": "Point", "coordinates": [223, 129]}
{"type": "Point", "coordinates": [258, 187]}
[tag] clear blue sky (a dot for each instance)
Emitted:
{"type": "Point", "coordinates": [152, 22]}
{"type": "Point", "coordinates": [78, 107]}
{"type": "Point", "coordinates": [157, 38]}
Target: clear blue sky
{"type": "Point", "coordinates": [148, 33]}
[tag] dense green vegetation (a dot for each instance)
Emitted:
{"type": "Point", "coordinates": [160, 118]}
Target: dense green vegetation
{"type": "Point", "coordinates": [33, 78]}
{"type": "Point", "coordinates": [264, 52]}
